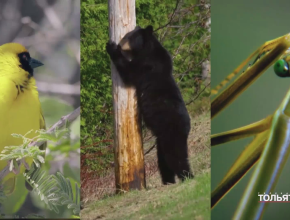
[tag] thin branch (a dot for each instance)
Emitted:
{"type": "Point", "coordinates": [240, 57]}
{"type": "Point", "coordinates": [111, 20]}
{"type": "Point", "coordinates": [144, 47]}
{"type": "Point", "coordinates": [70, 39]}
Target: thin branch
{"type": "Point", "coordinates": [198, 94]}
{"type": "Point", "coordinates": [177, 3]}
{"type": "Point", "coordinates": [151, 148]}
{"type": "Point", "coordinates": [68, 118]}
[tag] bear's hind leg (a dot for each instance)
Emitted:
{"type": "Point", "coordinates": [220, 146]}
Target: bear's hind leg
{"type": "Point", "coordinates": [167, 174]}
{"type": "Point", "coordinates": [176, 156]}
{"type": "Point", "coordinates": [183, 170]}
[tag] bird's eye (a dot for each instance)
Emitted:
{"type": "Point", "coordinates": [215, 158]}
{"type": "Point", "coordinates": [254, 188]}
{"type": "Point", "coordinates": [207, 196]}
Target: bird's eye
{"type": "Point", "coordinates": [281, 68]}
{"type": "Point", "coordinates": [24, 57]}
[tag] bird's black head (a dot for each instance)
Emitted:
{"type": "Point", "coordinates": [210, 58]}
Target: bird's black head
{"type": "Point", "coordinates": [27, 63]}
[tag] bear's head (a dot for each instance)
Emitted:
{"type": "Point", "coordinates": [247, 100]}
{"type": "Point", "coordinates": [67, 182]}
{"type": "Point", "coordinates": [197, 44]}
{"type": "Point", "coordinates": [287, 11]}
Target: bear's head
{"type": "Point", "coordinates": [137, 42]}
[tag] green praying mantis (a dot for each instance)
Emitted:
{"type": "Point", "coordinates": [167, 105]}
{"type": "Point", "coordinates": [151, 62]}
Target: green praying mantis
{"type": "Point", "coordinates": [270, 148]}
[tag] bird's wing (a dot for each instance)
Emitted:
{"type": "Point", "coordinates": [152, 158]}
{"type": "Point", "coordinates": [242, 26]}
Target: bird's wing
{"type": "Point", "coordinates": [42, 126]}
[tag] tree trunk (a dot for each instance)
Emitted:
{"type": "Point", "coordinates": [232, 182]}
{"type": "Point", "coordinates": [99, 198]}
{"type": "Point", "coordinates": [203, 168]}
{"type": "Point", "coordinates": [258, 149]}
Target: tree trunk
{"type": "Point", "coordinates": [129, 159]}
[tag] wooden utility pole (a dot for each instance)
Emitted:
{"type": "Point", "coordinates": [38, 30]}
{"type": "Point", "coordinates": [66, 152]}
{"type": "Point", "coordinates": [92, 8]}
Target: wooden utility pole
{"type": "Point", "coordinates": [129, 159]}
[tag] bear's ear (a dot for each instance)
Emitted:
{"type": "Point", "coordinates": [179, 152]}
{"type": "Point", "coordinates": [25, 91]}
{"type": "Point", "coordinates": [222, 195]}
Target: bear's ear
{"type": "Point", "coordinates": [137, 27]}
{"type": "Point", "coordinates": [149, 29]}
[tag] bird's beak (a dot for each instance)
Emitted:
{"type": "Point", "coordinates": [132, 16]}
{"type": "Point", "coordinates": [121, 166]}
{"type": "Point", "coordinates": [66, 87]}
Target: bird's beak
{"type": "Point", "coordinates": [35, 63]}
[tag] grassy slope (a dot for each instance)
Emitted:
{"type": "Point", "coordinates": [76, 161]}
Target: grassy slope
{"type": "Point", "coordinates": [190, 200]}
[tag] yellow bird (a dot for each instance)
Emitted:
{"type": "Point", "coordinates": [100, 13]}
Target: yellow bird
{"type": "Point", "coordinates": [20, 109]}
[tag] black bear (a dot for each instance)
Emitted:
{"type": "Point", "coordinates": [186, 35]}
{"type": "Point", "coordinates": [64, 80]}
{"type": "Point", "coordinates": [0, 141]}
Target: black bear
{"type": "Point", "coordinates": [144, 63]}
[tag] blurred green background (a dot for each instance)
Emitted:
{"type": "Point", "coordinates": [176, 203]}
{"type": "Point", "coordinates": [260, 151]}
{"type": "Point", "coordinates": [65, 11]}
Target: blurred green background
{"type": "Point", "coordinates": [50, 30]}
{"type": "Point", "coordinates": [239, 28]}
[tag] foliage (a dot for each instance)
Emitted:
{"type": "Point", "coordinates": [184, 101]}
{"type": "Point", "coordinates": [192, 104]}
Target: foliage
{"type": "Point", "coordinates": [53, 190]}
{"type": "Point", "coordinates": [186, 37]}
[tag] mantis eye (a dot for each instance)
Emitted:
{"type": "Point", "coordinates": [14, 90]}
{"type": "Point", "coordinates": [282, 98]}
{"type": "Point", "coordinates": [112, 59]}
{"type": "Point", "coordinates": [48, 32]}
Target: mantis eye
{"type": "Point", "coordinates": [281, 68]}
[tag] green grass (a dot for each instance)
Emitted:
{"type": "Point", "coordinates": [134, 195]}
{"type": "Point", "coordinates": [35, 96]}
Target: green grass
{"type": "Point", "coordinates": [188, 200]}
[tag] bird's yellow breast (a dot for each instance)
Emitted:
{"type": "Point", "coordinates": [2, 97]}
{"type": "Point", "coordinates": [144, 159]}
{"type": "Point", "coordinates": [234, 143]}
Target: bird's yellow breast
{"type": "Point", "coordinates": [20, 112]}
